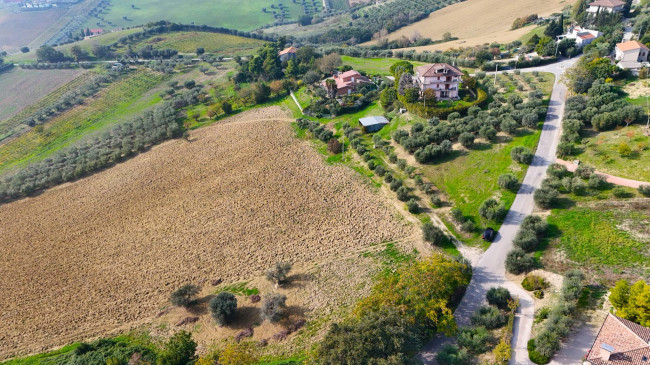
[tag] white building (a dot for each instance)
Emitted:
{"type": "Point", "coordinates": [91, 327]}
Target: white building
{"type": "Point", "coordinates": [632, 56]}
{"type": "Point", "coordinates": [582, 36]}
{"type": "Point", "coordinates": [610, 6]}
{"type": "Point", "coordinates": [443, 78]}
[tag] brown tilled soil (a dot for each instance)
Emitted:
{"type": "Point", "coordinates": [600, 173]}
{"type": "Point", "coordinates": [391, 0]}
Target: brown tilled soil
{"type": "Point", "coordinates": [103, 254]}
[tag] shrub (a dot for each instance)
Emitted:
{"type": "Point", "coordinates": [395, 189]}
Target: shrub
{"type": "Point", "coordinates": [597, 182]}
{"type": "Point", "coordinates": [452, 355]}
{"type": "Point", "coordinates": [395, 184]}
{"type": "Point", "coordinates": [179, 350]}
{"type": "Point", "coordinates": [392, 157]}
{"type": "Point", "coordinates": [620, 192]}
{"type": "Point", "coordinates": [457, 215]}
{"type": "Point", "coordinates": [466, 139]}
{"type": "Point", "coordinates": [278, 273]}
{"type": "Point", "coordinates": [433, 234]}
{"type": "Point", "coordinates": [374, 337]}
{"type": "Point", "coordinates": [535, 356]}
{"type": "Point", "coordinates": [380, 171]}
{"type": "Point", "coordinates": [644, 190]}
{"type": "Point", "coordinates": [488, 317]}
{"type": "Point", "coordinates": [372, 165]}
{"type": "Point", "coordinates": [388, 177]}
{"type": "Point", "coordinates": [468, 226]}
{"type": "Point", "coordinates": [565, 149]}
{"type": "Point", "coordinates": [584, 171]}
{"type": "Point", "coordinates": [526, 240]}
{"type": "Point", "coordinates": [334, 146]}
{"type": "Point", "coordinates": [508, 181]}
{"type": "Point", "coordinates": [518, 262]}
{"type": "Point", "coordinates": [401, 163]}
{"type": "Point", "coordinates": [536, 224]}
{"type": "Point", "coordinates": [475, 340]}
{"type": "Point", "coordinates": [273, 307]}
{"type": "Point", "coordinates": [367, 156]}
{"type": "Point", "coordinates": [223, 307]}
{"type": "Point", "coordinates": [545, 197]}
{"type": "Point", "coordinates": [557, 170]}
{"type": "Point", "coordinates": [436, 201]}
{"type": "Point", "coordinates": [539, 294]}
{"type": "Point", "coordinates": [572, 285]}
{"type": "Point", "coordinates": [413, 206]}
{"type": "Point", "coordinates": [534, 282]}
{"type": "Point", "coordinates": [498, 297]}
{"type": "Point", "coordinates": [182, 297]}
{"type": "Point", "coordinates": [522, 155]}
{"type": "Point", "coordinates": [492, 210]}
{"type": "Point", "coordinates": [403, 193]}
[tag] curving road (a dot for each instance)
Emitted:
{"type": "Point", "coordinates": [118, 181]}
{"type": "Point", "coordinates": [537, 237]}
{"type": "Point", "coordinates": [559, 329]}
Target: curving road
{"type": "Point", "coordinates": [490, 270]}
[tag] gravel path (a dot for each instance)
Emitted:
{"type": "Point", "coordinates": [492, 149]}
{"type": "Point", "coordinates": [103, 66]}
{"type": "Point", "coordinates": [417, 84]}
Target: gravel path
{"type": "Point", "coordinates": [610, 178]}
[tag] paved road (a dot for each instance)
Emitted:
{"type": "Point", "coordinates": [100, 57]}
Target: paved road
{"type": "Point", "coordinates": [490, 270]}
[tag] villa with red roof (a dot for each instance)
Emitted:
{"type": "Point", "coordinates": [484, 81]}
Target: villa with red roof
{"type": "Point", "coordinates": [620, 342]}
{"type": "Point", "coordinates": [443, 78]}
{"type": "Point", "coordinates": [582, 36]}
{"type": "Point", "coordinates": [346, 82]}
{"type": "Point", "coordinates": [610, 6]}
{"type": "Point", "coordinates": [632, 55]}
{"type": "Point", "coordinates": [288, 54]}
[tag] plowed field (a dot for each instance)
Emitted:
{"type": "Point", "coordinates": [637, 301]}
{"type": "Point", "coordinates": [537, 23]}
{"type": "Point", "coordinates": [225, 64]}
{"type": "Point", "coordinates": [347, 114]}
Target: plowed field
{"type": "Point", "coordinates": [103, 253]}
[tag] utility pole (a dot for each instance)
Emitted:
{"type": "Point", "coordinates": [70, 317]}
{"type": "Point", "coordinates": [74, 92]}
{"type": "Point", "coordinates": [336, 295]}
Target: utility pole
{"type": "Point", "coordinates": [647, 106]}
{"type": "Point", "coordinates": [495, 73]}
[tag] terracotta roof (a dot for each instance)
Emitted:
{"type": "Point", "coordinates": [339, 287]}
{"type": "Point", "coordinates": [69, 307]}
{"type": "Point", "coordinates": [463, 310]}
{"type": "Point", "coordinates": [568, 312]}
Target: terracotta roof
{"type": "Point", "coordinates": [628, 46]}
{"type": "Point", "coordinates": [635, 357]}
{"type": "Point", "coordinates": [430, 70]}
{"type": "Point", "coordinates": [607, 3]}
{"type": "Point", "coordinates": [349, 74]}
{"type": "Point", "coordinates": [642, 332]}
{"type": "Point", "coordinates": [586, 36]}
{"type": "Point", "coordinates": [288, 50]}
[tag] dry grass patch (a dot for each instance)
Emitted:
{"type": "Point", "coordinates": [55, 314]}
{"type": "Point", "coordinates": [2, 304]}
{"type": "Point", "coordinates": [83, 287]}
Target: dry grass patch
{"type": "Point", "coordinates": [104, 253]}
{"type": "Point", "coordinates": [475, 22]}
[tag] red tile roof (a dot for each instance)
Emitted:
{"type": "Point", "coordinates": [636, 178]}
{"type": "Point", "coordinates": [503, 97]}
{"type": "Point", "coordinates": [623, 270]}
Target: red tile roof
{"type": "Point", "coordinates": [630, 45]}
{"type": "Point", "coordinates": [431, 70]}
{"type": "Point", "coordinates": [630, 343]}
{"type": "Point", "coordinates": [586, 36]}
{"type": "Point", "coordinates": [607, 3]}
{"type": "Point", "coordinates": [288, 50]}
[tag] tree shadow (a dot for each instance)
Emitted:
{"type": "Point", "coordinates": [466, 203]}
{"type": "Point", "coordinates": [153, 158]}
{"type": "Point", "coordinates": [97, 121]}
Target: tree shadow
{"type": "Point", "coordinates": [564, 203]}
{"type": "Point", "coordinates": [481, 147]}
{"type": "Point", "coordinates": [199, 306]}
{"type": "Point", "coordinates": [297, 280]}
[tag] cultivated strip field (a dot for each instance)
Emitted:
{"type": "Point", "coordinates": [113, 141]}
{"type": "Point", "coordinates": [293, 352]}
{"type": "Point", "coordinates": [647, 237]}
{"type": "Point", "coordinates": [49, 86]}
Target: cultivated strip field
{"type": "Point", "coordinates": [21, 88]}
{"type": "Point", "coordinates": [104, 253]}
{"type": "Point", "coordinates": [20, 29]}
{"type": "Point", "coordinates": [476, 22]}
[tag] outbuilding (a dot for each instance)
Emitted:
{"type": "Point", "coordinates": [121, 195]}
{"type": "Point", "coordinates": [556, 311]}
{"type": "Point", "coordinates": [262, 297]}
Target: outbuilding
{"type": "Point", "coordinates": [373, 123]}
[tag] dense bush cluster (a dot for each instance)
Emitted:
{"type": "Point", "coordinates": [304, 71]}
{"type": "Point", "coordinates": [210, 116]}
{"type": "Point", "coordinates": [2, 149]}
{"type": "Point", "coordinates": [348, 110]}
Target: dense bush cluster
{"type": "Point", "coordinates": [532, 230]}
{"type": "Point", "coordinates": [430, 142]}
{"type": "Point", "coordinates": [559, 321]}
{"type": "Point", "coordinates": [105, 149]}
{"type": "Point", "coordinates": [5, 66]}
{"type": "Point", "coordinates": [403, 308]}
{"type": "Point", "coordinates": [492, 210]}
{"type": "Point", "coordinates": [603, 107]}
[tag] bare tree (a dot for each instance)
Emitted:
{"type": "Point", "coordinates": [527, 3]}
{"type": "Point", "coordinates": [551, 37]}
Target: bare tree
{"type": "Point", "coordinates": [278, 273]}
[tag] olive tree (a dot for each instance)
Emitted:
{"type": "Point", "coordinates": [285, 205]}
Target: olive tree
{"type": "Point", "coordinates": [278, 273]}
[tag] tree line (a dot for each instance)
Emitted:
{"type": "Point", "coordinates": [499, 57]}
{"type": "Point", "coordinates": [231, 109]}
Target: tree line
{"type": "Point", "coordinates": [106, 149]}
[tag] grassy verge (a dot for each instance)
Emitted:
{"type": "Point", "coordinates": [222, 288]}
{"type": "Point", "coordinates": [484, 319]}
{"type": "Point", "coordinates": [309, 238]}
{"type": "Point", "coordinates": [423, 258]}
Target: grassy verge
{"type": "Point", "coordinates": [600, 150]}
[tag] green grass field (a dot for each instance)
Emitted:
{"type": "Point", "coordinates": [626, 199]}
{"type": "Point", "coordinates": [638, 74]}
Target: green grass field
{"type": "Point", "coordinates": [601, 151]}
{"type": "Point", "coordinates": [234, 14]}
{"type": "Point", "coordinates": [537, 30]}
{"type": "Point", "coordinates": [469, 178]}
{"type": "Point", "coordinates": [114, 104]}
{"type": "Point", "coordinates": [373, 66]}
{"type": "Point", "coordinates": [188, 42]}
{"type": "Point", "coordinates": [597, 234]}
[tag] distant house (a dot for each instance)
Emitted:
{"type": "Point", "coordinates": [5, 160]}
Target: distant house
{"type": "Point", "coordinates": [347, 82]}
{"type": "Point", "coordinates": [96, 31]}
{"type": "Point", "coordinates": [610, 6]}
{"type": "Point", "coordinates": [443, 78]}
{"type": "Point", "coordinates": [632, 55]}
{"type": "Point", "coordinates": [620, 342]}
{"type": "Point", "coordinates": [117, 66]}
{"type": "Point", "coordinates": [582, 36]}
{"type": "Point", "coordinates": [288, 54]}
{"type": "Point", "coordinates": [373, 123]}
